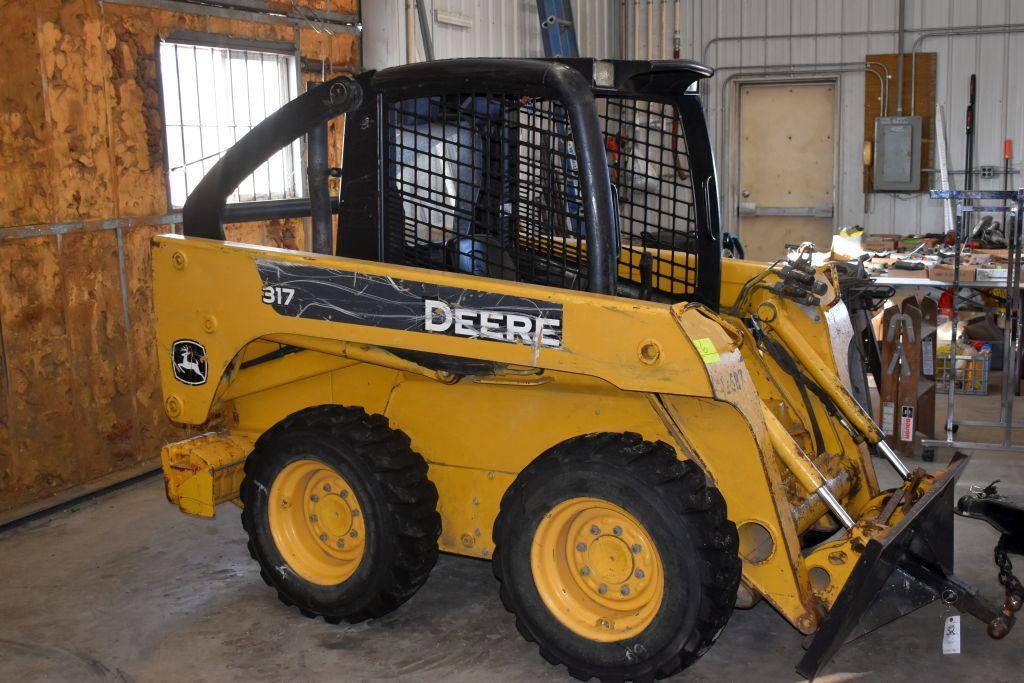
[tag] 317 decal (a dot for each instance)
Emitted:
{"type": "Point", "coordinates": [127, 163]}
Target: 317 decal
{"type": "Point", "coordinates": [278, 295]}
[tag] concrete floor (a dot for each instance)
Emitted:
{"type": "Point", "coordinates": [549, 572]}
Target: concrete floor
{"type": "Point", "coordinates": [124, 587]}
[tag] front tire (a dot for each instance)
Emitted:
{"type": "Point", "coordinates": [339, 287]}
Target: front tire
{"type": "Point", "coordinates": [340, 514]}
{"type": "Point", "coordinates": [616, 558]}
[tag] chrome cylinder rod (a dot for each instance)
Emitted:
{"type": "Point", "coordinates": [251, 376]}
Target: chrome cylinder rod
{"type": "Point", "coordinates": [835, 507]}
{"type": "Point", "coordinates": [893, 459]}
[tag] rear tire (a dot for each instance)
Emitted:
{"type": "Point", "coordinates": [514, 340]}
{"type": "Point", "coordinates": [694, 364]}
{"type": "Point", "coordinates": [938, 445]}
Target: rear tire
{"type": "Point", "coordinates": [340, 514]}
{"type": "Point", "coordinates": [579, 595]}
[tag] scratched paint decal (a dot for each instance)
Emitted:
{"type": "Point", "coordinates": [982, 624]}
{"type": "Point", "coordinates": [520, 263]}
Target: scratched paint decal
{"type": "Point", "coordinates": [318, 293]}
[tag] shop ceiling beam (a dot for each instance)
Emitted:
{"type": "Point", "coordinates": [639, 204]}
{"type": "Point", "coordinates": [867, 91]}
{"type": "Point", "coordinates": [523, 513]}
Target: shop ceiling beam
{"type": "Point", "coordinates": [259, 11]}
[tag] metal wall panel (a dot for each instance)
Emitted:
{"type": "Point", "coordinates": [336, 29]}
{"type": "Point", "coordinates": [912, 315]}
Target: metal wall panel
{"type": "Point", "coordinates": [997, 59]}
{"type": "Point", "coordinates": [510, 28]}
{"type": "Point", "coordinates": [500, 28]}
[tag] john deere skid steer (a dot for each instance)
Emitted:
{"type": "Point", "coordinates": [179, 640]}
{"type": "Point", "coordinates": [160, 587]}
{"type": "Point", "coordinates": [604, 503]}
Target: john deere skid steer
{"type": "Point", "coordinates": [527, 347]}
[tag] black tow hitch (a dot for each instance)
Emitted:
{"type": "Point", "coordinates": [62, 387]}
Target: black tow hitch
{"type": "Point", "coordinates": [1007, 517]}
{"type": "Point", "coordinates": [912, 566]}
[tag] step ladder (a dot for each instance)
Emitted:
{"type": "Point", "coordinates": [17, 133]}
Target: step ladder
{"type": "Point", "coordinates": [557, 28]}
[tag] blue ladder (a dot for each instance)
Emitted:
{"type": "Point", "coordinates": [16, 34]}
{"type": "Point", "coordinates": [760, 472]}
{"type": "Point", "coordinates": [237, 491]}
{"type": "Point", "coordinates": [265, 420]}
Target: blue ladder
{"type": "Point", "coordinates": [557, 28]}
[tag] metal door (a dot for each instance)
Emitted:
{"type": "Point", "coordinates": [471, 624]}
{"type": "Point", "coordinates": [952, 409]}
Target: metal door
{"type": "Point", "coordinates": [787, 153]}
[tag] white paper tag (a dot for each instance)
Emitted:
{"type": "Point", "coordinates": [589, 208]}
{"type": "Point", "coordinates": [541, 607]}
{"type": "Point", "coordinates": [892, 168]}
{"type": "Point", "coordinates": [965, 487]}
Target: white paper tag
{"type": "Point", "coordinates": [906, 423]}
{"type": "Point", "coordinates": [888, 416]}
{"type": "Point", "coordinates": [927, 357]}
{"type": "Point", "coordinates": [951, 636]}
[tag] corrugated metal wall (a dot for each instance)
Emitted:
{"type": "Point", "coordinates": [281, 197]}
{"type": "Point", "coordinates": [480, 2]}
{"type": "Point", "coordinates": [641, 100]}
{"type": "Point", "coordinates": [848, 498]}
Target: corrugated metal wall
{"type": "Point", "coordinates": [510, 28]}
{"type": "Point", "coordinates": [997, 59]}
{"type": "Point", "coordinates": [501, 28]}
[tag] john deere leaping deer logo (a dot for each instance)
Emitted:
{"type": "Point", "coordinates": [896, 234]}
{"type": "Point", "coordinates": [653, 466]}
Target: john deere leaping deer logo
{"type": "Point", "coordinates": [188, 360]}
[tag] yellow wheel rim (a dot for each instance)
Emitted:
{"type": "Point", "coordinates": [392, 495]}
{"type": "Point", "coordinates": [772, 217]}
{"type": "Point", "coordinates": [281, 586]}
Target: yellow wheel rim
{"type": "Point", "coordinates": [317, 522]}
{"type": "Point", "coordinates": [597, 569]}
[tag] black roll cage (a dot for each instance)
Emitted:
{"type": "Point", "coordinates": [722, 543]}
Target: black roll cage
{"type": "Point", "coordinates": [573, 82]}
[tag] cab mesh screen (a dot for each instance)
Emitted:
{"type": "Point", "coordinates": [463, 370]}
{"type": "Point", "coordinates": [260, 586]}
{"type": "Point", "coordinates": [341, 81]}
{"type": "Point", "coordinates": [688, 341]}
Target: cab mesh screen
{"type": "Point", "coordinates": [650, 170]}
{"type": "Point", "coordinates": [488, 185]}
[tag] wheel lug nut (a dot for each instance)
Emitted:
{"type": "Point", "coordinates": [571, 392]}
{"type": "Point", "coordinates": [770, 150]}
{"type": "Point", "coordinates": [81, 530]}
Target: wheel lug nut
{"type": "Point", "coordinates": [323, 537]}
{"type": "Point", "coordinates": [604, 623]}
{"type": "Point", "coordinates": [343, 494]}
{"type": "Point", "coordinates": [355, 513]}
{"type": "Point", "coordinates": [341, 542]}
{"type": "Point", "coordinates": [602, 589]}
{"type": "Point", "coordinates": [639, 573]}
{"type": "Point", "coordinates": [635, 548]}
{"type": "Point", "coordinates": [314, 498]}
{"type": "Point", "coordinates": [594, 529]}
{"type": "Point", "coordinates": [624, 590]}
{"type": "Point", "coordinates": [327, 487]}
{"type": "Point", "coordinates": [581, 547]}
{"type": "Point", "coordinates": [617, 530]}
{"type": "Point", "coordinates": [313, 518]}
{"type": "Point", "coordinates": [353, 533]}
{"type": "Point", "coordinates": [585, 571]}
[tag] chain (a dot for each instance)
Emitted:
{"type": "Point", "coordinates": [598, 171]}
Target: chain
{"type": "Point", "coordinates": [1010, 582]}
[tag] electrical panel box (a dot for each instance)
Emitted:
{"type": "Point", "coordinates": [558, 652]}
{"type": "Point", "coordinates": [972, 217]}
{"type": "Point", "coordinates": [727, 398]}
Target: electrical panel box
{"type": "Point", "coordinates": [897, 157]}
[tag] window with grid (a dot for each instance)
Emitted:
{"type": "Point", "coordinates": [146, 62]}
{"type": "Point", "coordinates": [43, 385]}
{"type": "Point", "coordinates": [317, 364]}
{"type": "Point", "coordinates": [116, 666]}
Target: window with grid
{"type": "Point", "coordinates": [650, 170]}
{"type": "Point", "coordinates": [485, 184]}
{"type": "Point", "coordinates": [212, 96]}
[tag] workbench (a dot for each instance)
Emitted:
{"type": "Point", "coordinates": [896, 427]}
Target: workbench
{"type": "Point", "coordinates": [942, 284]}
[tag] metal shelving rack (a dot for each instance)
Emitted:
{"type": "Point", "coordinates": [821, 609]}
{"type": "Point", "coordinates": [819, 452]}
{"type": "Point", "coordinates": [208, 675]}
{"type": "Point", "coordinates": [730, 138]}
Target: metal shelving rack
{"type": "Point", "coordinates": [1012, 330]}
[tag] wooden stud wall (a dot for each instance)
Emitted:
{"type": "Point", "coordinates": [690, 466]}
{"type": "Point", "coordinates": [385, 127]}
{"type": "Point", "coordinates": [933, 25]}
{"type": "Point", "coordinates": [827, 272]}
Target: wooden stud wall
{"type": "Point", "coordinates": [924, 104]}
{"type": "Point", "coordinates": [81, 140]}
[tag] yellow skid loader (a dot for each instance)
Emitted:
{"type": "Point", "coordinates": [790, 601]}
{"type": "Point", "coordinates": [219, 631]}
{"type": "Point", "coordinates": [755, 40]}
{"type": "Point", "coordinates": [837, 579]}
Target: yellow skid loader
{"type": "Point", "coordinates": [526, 347]}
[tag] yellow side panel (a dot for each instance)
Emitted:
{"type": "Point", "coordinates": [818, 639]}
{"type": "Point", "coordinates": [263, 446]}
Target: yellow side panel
{"type": "Point", "coordinates": [353, 384]}
{"type": "Point", "coordinates": [477, 435]}
{"type": "Point", "coordinates": [469, 500]}
{"type": "Point", "coordinates": [749, 479]}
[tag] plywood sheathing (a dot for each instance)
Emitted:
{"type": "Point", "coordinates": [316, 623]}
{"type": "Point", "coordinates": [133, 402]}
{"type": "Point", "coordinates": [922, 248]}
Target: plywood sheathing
{"type": "Point", "coordinates": [924, 104]}
{"type": "Point", "coordinates": [81, 139]}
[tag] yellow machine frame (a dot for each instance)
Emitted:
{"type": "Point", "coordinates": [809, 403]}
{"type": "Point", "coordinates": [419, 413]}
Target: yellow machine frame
{"type": "Point", "coordinates": [679, 374]}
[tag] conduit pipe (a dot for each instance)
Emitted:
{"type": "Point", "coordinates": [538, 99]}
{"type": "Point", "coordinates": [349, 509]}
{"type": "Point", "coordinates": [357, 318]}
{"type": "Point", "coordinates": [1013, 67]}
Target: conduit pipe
{"type": "Point", "coordinates": [987, 29]}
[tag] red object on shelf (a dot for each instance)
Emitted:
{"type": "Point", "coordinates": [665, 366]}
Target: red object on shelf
{"type": "Point", "coordinates": [946, 304]}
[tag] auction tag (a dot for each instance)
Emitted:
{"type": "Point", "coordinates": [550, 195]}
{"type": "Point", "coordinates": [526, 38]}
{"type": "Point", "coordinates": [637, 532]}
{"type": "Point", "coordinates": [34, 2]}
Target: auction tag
{"type": "Point", "coordinates": [927, 357]}
{"type": "Point", "coordinates": [951, 636]}
{"type": "Point", "coordinates": [906, 423]}
{"type": "Point", "coordinates": [888, 416]}
{"type": "Point", "coordinates": [706, 349]}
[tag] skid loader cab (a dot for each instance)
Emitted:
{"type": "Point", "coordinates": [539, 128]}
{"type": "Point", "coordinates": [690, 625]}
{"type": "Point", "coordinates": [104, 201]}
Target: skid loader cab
{"type": "Point", "coordinates": [572, 174]}
{"type": "Point", "coordinates": [528, 348]}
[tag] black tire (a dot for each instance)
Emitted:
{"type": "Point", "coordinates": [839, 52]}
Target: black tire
{"type": "Point", "coordinates": [684, 516]}
{"type": "Point", "coordinates": [399, 504]}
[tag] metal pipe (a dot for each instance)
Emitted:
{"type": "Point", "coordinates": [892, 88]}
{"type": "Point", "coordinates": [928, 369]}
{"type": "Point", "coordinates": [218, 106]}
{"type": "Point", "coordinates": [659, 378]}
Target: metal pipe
{"type": "Point", "coordinates": [677, 38]}
{"type": "Point", "coordinates": [885, 89]}
{"type": "Point", "coordinates": [410, 31]}
{"type": "Point", "coordinates": [881, 87]}
{"type": "Point", "coordinates": [650, 30]}
{"type": "Point", "coordinates": [791, 36]}
{"type": "Point", "coordinates": [428, 40]}
{"type": "Point", "coordinates": [623, 30]}
{"type": "Point", "coordinates": [319, 191]}
{"type": "Point", "coordinates": [900, 11]}
{"type": "Point", "coordinates": [636, 29]}
{"type": "Point", "coordinates": [664, 25]}
{"type": "Point", "coordinates": [986, 29]}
